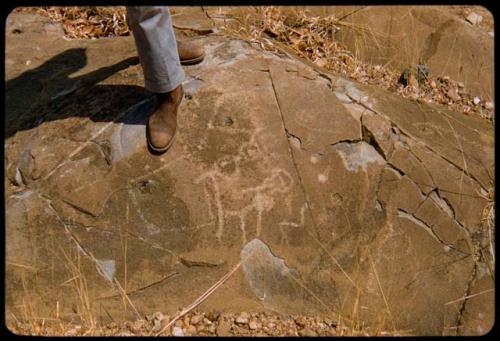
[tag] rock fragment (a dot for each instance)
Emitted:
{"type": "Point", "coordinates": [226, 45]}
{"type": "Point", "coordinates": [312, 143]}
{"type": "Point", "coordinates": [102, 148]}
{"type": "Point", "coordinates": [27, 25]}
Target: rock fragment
{"type": "Point", "coordinates": [453, 94]}
{"type": "Point", "coordinates": [254, 324]}
{"type": "Point", "coordinates": [242, 318]}
{"type": "Point", "coordinates": [307, 332]}
{"type": "Point", "coordinates": [474, 18]}
{"type": "Point", "coordinates": [177, 331]}
{"type": "Point", "coordinates": [196, 319]}
{"type": "Point", "coordinates": [224, 328]}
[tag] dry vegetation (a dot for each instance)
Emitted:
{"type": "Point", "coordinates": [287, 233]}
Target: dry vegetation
{"type": "Point", "coordinates": [86, 22]}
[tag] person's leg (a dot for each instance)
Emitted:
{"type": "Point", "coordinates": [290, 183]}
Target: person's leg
{"type": "Point", "coordinates": [156, 46]}
{"type": "Point", "coordinates": [163, 74]}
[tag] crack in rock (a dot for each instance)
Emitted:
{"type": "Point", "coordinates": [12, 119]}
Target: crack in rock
{"type": "Point", "coordinates": [369, 137]}
{"type": "Point", "coordinates": [346, 141]}
{"type": "Point", "coordinates": [294, 140]}
{"type": "Point", "coordinates": [461, 169]}
{"type": "Point", "coordinates": [301, 183]}
{"type": "Point", "coordinates": [419, 222]}
{"type": "Point", "coordinates": [468, 289]}
{"type": "Point", "coordinates": [423, 166]}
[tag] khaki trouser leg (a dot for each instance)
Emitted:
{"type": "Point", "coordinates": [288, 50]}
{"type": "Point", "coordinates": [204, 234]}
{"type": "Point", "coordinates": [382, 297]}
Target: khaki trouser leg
{"type": "Point", "coordinates": [156, 46]}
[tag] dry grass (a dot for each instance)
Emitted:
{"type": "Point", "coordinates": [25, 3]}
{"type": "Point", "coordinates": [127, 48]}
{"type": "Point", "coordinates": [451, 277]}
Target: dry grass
{"type": "Point", "coordinates": [86, 22]}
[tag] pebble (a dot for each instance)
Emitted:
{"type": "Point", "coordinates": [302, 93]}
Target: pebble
{"type": "Point", "coordinates": [476, 100]}
{"type": "Point", "coordinates": [254, 325]}
{"type": "Point", "coordinates": [224, 328]}
{"type": "Point", "coordinates": [156, 325]}
{"type": "Point", "coordinates": [213, 315]}
{"type": "Point", "coordinates": [271, 325]}
{"type": "Point", "coordinates": [307, 332]}
{"type": "Point", "coordinates": [136, 326]}
{"type": "Point", "coordinates": [242, 318]}
{"type": "Point", "coordinates": [191, 330]}
{"type": "Point", "coordinates": [211, 328]}
{"type": "Point", "coordinates": [158, 316]}
{"type": "Point", "coordinates": [488, 105]}
{"type": "Point", "coordinates": [460, 84]}
{"type": "Point", "coordinates": [177, 331]}
{"type": "Point", "coordinates": [321, 62]}
{"type": "Point", "coordinates": [329, 322]}
{"type": "Point", "coordinates": [300, 321]}
{"type": "Point", "coordinates": [452, 93]}
{"type": "Point", "coordinates": [196, 319]}
{"type": "Point", "coordinates": [433, 84]}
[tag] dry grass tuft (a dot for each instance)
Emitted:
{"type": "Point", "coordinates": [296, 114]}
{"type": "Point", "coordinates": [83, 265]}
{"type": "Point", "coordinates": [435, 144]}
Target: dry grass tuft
{"type": "Point", "coordinates": [86, 22]}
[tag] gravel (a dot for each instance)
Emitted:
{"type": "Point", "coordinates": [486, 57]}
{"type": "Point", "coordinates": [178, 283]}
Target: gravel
{"type": "Point", "coordinates": [215, 323]}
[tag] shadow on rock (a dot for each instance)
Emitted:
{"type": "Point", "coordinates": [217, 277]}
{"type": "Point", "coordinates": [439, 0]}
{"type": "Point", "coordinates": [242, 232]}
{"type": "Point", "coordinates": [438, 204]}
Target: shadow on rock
{"type": "Point", "coordinates": [48, 93]}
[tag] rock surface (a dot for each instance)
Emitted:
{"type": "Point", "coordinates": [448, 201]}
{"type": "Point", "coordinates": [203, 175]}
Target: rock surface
{"type": "Point", "coordinates": [339, 198]}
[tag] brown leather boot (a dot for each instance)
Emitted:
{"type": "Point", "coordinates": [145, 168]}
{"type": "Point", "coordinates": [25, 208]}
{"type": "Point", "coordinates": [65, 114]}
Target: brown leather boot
{"type": "Point", "coordinates": [189, 53]}
{"type": "Point", "coordinates": [162, 124]}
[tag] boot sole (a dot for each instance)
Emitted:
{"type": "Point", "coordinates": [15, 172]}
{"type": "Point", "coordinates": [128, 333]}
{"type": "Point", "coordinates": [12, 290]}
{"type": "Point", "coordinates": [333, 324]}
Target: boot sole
{"type": "Point", "coordinates": [157, 150]}
{"type": "Point", "coordinates": [193, 60]}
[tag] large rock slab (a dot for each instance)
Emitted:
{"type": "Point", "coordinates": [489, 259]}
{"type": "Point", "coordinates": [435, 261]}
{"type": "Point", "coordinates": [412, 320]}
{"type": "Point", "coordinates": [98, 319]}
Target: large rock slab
{"type": "Point", "coordinates": [339, 199]}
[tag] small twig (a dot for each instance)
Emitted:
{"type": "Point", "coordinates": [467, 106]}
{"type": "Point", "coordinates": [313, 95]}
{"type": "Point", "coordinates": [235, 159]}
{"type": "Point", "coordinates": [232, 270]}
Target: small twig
{"type": "Point", "coordinates": [200, 299]}
{"type": "Point", "coordinates": [469, 296]}
{"type": "Point", "coordinates": [141, 288]}
{"type": "Point", "coordinates": [190, 263]}
{"type": "Point", "coordinates": [27, 267]}
{"type": "Point", "coordinates": [204, 296]}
